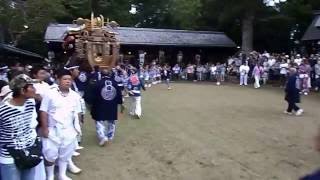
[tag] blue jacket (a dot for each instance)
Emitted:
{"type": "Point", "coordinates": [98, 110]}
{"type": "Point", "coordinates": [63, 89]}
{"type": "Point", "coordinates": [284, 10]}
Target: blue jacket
{"type": "Point", "coordinates": [292, 92]}
{"type": "Point", "coordinates": [107, 96]}
{"type": "Point", "coordinates": [135, 85]}
{"type": "Point", "coordinates": [82, 81]}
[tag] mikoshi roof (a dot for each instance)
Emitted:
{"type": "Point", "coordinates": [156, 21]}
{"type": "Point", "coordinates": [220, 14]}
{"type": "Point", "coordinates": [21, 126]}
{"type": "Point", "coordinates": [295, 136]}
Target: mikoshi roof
{"type": "Point", "coordinates": [149, 36]}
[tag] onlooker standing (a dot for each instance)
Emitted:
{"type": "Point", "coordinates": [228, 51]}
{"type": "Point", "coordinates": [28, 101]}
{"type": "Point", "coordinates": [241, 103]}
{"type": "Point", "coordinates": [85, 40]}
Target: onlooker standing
{"type": "Point", "coordinates": [244, 71]}
{"type": "Point", "coordinates": [166, 74]}
{"type": "Point", "coordinates": [17, 119]}
{"type": "Point", "coordinates": [190, 72]}
{"type": "Point", "coordinates": [223, 72]}
{"type": "Point", "coordinates": [283, 72]}
{"type": "Point", "coordinates": [176, 71]}
{"type": "Point", "coordinates": [317, 75]}
{"type": "Point", "coordinates": [213, 70]}
{"type": "Point", "coordinates": [265, 74]}
{"type": "Point", "coordinates": [257, 71]}
{"type": "Point", "coordinates": [304, 77]}
{"type": "Point", "coordinates": [218, 73]}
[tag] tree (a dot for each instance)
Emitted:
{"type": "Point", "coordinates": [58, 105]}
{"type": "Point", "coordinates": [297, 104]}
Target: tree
{"type": "Point", "coordinates": [244, 12]}
{"type": "Point", "coordinates": [32, 16]}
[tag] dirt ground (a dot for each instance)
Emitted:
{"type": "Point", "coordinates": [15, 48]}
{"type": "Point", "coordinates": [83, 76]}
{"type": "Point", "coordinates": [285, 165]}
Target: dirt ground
{"type": "Point", "coordinates": [206, 132]}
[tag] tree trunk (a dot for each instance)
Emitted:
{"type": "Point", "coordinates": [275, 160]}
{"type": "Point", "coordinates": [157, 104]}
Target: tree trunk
{"type": "Point", "coordinates": [247, 33]}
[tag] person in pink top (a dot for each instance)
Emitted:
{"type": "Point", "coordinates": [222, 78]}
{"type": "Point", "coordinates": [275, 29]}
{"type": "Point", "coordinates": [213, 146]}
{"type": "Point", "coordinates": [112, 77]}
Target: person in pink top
{"type": "Point", "coordinates": [256, 73]}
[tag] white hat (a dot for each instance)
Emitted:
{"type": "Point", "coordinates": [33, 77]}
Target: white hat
{"type": "Point", "coordinates": [5, 90]}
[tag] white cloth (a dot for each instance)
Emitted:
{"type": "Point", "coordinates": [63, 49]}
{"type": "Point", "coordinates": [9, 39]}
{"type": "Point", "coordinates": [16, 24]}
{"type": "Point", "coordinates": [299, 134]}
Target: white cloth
{"type": "Point", "coordinates": [135, 108]}
{"type": "Point", "coordinates": [244, 79]}
{"type": "Point", "coordinates": [298, 61]}
{"type": "Point", "coordinates": [58, 148]}
{"type": "Point", "coordinates": [41, 88]}
{"type": "Point", "coordinates": [61, 110]}
{"type": "Point", "coordinates": [213, 70]}
{"type": "Point", "coordinates": [244, 69]}
{"type": "Point", "coordinates": [176, 69]}
{"type": "Point", "coordinates": [4, 77]}
{"type": "Point", "coordinates": [40, 171]}
{"type": "Point", "coordinates": [283, 68]}
{"type": "Point", "coordinates": [257, 81]}
{"type": "Point", "coordinates": [63, 124]}
{"type": "Point", "coordinates": [271, 62]}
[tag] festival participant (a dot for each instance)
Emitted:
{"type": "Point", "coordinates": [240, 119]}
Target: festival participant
{"type": "Point", "coordinates": [176, 72]}
{"type": "Point", "coordinates": [79, 80]}
{"type": "Point", "coordinates": [244, 70]}
{"type": "Point", "coordinates": [134, 88]}
{"type": "Point", "coordinates": [104, 107]}
{"type": "Point", "coordinates": [292, 95]}
{"type": "Point", "coordinates": [59, 114]}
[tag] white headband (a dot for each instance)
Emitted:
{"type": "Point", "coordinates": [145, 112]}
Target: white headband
{"type": "Point", "coordinates": [70, 68]}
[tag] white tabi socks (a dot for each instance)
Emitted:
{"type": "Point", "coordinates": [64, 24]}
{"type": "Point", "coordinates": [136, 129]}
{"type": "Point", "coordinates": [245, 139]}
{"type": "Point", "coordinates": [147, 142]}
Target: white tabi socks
{"type": "Point", "coordinates": [63, 171]}
{"type": "Point", "coordinates": [50, 172]}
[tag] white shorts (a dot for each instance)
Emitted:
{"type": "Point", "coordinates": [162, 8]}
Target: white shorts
{"type": "Point", "coordinates": [57, 147]}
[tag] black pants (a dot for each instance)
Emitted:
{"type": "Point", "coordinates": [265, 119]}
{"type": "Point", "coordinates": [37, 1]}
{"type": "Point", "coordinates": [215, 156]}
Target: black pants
{"type": "Point", "coordinates": [176, 77]}
{"type": "Point", "coordinates": [283, 80]}
{"type": "Point", "coordinates": [292, 106]}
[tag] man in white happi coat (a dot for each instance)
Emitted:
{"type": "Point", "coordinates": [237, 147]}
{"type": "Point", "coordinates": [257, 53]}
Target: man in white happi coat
{"type": "Point", "coordinates": [59, 115]}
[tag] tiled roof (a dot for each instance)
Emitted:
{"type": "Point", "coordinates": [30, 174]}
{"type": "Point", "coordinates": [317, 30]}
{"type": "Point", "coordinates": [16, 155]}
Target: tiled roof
{"type": "Point", "coordinates": [148, 36]}
{"type": "Point", "coordinates": [313, 31]}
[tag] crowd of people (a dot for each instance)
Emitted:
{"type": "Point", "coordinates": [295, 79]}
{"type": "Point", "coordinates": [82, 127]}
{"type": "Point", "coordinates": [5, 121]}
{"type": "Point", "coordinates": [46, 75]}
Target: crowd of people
{"type": "Point", "coordinates": [256, 68]}
{"type": "Point", "coordinates": [42, 110]}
